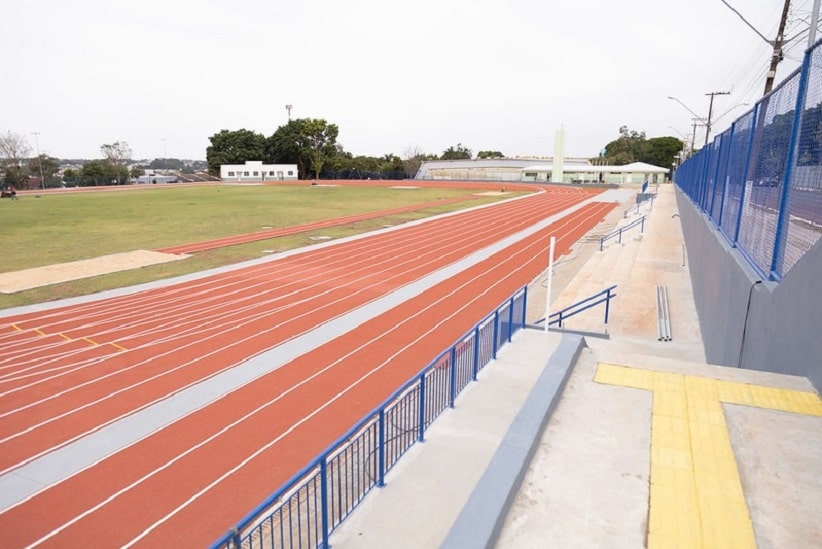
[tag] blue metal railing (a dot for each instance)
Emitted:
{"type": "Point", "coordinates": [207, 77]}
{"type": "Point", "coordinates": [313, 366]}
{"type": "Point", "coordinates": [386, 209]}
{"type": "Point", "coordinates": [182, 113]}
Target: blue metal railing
{"type": "Point", "coordinates": [648, 198]}
{"type": "Point", "coordinates": [760, 181]}
{"type": "Point", "coordinates": [310, 505]}
{"type": "Point", "coordinates": [605, 296]}
{"type": "Point", "coordinates": [617, 233]}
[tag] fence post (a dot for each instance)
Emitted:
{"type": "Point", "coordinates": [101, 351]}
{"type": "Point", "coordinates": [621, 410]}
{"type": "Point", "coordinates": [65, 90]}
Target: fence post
{"type": "Point", "coordinates": [779, 240]}
{"type": "Point", "coordinates": [381, 452]}
{"type": "Point", "coordinates": [324, 501]}
{"type": "Point", "coordinates": [496, 334]}
{"type": "Point", "coordinates": [452, 376]}
{"type": "Point", "coordinates": [607, 304]}
{"type": "Point", "coordinates": [421, 436]}
{"type": "Point", "coordinates": [511, 320]}
{"type": "Point", "coordinates": [476, 352]}
{"type": "Point", "coordinates": [754, 116]}
{"type": "Point", "coordinates": [642, 226]}
{"type": "Point", "coordinates": [524, 306]}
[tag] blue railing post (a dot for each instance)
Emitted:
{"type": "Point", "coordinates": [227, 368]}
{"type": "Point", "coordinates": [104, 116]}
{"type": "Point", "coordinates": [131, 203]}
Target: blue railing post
{"type": "Point", "coordinates": [607, 304]}
{"type": "Point", "coordinates": [642, 226]}
{"type": "Point", "coordinates": [452, 376]}
{"type": "Point", "coordinates": [476, 352]}
{"type": "Point", "coordinates": [324, 500]}
{"type": "Point", "coordinates": [421, 436]}
{"type": "Point", "coordinates": [510, 320]}
{"type": "Point", "coordinates": [524, 306]}
{"type": "Point", "coordinates": [754, 116]}
{"type": "Point", "coordinates": [496, 334]}
{"type": "Point", "coordinates": [381, 452]}
{"type": "Point", "coordinates": [779, 240]}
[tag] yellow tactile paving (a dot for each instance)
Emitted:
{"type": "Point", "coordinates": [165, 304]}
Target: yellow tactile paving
{"type": "Point", "coordinates": [696, 497]}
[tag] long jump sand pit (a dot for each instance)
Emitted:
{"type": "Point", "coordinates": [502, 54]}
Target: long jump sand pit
{"type": "Point", "coordinates": [17, 281]}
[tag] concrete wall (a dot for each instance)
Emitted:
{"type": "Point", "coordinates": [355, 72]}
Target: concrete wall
{"type": "Point", "coordinates": [748, 322]}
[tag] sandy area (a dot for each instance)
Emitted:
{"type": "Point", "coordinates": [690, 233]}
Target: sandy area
{"type": "Point", "coordinates": [17, 281]}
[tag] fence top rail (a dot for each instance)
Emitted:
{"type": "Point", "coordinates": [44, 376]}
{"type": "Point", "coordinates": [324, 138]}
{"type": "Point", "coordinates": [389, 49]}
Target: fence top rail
{"type": "Point", "coordinates": [620, 230]}
{"type": "Point", "coordinates": [571, 309]}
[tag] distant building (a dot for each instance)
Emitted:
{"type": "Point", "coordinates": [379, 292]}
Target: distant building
{"type": "Point", "coordinates": [575, 170]}
{"type": "Point", "coordinates": [255, 170]}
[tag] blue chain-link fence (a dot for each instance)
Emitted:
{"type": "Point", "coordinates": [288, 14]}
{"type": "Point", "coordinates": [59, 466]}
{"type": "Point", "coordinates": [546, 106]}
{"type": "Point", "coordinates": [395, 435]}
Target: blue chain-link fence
{"type": "Point", "coordinates": [761, 180]}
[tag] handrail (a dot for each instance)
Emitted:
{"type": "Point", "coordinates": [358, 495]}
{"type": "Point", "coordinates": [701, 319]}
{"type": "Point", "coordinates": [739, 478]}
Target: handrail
{"type": "Point", "coordinates": [583, 305]}
{"type": "Point", "coordinates": [650, 197]}
{"type": "Point", "coordinates": [312, 498]}
{"type": "Point", "coordinates": [618, 232]}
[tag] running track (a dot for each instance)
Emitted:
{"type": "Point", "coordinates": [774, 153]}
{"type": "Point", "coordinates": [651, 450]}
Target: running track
{"type": "Point", "coordinates": [68, 372]}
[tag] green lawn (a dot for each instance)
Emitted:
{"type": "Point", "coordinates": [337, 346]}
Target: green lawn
{"type": "Point", "coordinates": [57, 228]}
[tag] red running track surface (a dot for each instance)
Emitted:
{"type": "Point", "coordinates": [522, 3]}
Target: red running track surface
{"type": "Point", "coordinates": [66, 372]}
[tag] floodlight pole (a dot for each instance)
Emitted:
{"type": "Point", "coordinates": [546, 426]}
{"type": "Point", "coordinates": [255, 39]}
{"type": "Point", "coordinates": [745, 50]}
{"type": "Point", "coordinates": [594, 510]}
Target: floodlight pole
{"type": "Point", "coordinates": [39, 159]}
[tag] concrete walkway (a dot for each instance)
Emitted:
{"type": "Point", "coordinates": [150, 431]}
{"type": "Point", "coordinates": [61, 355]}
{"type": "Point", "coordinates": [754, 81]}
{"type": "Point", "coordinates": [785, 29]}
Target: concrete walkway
{"type": "Point", "coordinates": [627, 442]}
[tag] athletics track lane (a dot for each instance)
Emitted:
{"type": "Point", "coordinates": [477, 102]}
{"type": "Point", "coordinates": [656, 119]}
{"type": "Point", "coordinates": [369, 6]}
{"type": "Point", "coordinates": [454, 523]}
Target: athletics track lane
{"type": "Point", "coordinates": [51, 397]}
{"type": "Point", "coordinates": [118, 474]}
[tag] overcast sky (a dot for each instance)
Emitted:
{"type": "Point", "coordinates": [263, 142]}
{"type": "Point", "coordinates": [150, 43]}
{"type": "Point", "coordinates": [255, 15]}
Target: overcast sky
{"type": "Point", "coordinates": [505, 75]}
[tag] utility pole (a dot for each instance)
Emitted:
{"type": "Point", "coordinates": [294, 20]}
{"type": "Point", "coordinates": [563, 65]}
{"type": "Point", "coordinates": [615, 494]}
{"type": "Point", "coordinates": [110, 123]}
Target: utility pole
{"type": "Point", "coordinates": [710, 112]}
{"type": "Point", "coordinates": [814, 22]}
{"type": "Point", "coordinates": [777, 49]}
{"type": "Point", "coordinates": [696, 122]}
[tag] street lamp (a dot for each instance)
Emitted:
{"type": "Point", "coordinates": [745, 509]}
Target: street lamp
{"type": "Point", "coordinates": [39, 159]}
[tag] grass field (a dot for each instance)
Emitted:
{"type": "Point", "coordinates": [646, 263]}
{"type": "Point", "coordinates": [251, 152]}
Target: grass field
{"type": "Point", "coordinates": [56, 228]}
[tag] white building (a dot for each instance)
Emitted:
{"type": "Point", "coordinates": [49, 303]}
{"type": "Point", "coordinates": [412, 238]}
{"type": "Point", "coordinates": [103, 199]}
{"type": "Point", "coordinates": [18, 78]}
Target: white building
{"type": "Point", "coordinates": [255, 170]}
{"type": "Point", "coordinates": [574, 170]}
{"type": "Point", "coordinates": [637, 172]}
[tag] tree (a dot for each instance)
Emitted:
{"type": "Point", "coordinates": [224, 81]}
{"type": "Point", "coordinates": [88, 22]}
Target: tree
{"type": "Point", "coordinates": [71, 176]}
{"type": "Point", "coordinates": [662, 151]}
{"type": "Point", "coordinates": [626, 149]}
{"type": "Point", "coordinates": [136, 172]}
{"type": "Point", "coordinates": [13, 150]}
{"type": "Point", "coordinates": [46, 165]}
{"type": "Point", "coordinates": [97, 172]}
{"type": "Point", "coordinates": [234, 147]}
{"type": "Point", "coordinates": [457, 153]}
{"type": "Point", "coordinates": [318, 141]}
{"type": "Point", "coordinates": [413, 159]}
{"type": "Point", "coordinates": [307, 142]}
{"type": "Point", "coordinates": [117, 153]}
{"type": "Point", "coordinates": [490, 154]}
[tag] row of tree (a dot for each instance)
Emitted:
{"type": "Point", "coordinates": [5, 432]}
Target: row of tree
{"type": "Point", "coordinates": [312, 145]}
{"type": "Point", "coordinates": [632, 146]}
{"type": "Point", "coordinates": [309, 143]}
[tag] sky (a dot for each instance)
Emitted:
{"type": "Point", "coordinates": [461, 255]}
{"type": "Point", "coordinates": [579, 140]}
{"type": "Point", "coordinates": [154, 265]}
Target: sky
{"type": "Point", "coordinates": [395, 77]}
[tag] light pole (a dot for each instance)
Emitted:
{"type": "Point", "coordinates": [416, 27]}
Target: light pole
{"type": "Point", "coordinates": [39, 159]}
{"type": "Point", "coordinates": [165, 156]}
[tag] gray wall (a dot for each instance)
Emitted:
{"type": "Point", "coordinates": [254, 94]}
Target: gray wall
{"type": "Point", "coordinates": [784, 320]}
